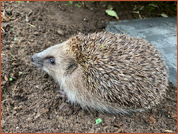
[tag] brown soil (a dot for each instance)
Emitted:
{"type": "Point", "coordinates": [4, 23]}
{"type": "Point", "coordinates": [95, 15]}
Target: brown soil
{"type": "Point", "coordinates": [30, 101]}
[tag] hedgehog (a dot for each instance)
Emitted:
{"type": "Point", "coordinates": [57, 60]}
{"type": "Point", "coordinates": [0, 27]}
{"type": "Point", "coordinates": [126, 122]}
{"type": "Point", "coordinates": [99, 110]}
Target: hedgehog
{"type": "Point", "coordinates": [107, 72]}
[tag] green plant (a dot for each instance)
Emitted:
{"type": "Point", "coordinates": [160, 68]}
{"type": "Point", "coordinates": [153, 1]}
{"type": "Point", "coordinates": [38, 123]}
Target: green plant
{"type": "Point", "coordinates": [19, 1]}
{"type": "Point", "coordinates": [79, 4]}
{"type": "Point", "coordinates": [70, 2]}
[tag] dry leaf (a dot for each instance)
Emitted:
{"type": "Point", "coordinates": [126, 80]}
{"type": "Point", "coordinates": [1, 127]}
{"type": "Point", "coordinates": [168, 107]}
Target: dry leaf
{"type": "Point", "coordinates": [5, 77]}
{"type": "Point", "coordinates": [168, 131]}
{"type": "Point", "coordinates": [4, 17]}
{"type": "Point", "coordinates": [135, 12]}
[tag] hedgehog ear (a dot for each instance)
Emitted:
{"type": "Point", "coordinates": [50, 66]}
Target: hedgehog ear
{"type": "Point", "coordinates": [71, 66]}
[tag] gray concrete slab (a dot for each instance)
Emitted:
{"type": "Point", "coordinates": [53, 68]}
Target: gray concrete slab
{"type": "Point", "coordinates": [161, 32]}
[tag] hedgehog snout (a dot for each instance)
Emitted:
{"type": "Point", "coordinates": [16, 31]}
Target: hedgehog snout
{"type": "Point", "coordinates": [37, 61]}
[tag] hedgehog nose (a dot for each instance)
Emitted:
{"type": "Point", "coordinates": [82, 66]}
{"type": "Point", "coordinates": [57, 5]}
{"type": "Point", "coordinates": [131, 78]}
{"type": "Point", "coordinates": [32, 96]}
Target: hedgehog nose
{"type": "Point", "coordinates": [32, 59]}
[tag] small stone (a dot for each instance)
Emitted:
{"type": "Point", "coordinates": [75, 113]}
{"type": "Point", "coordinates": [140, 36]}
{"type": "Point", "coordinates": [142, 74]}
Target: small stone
{"type": "Point", "coordinates": [60, 118]}
{"type": "Point", "coordinates": [3, 123]}
{"type": "Point", "coordinates": [64, 107]}
{"type": "Point", "coordinates": [91, 131]}
{"type": "Point", "coordinates": [36, 33]}
{"type": "Point", "coordinates": [60, 32]}
{"type": "Point", "coordinates": [85, 19]}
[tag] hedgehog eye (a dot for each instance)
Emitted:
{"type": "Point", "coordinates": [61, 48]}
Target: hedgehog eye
{"type": "Point", "coordinates": [52, 61]}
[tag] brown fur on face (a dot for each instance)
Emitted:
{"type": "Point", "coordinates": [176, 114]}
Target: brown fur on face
{"type": "Point", "coordinates": [58, 53]}
{"type": "Point", "coordinates": [107, 72]}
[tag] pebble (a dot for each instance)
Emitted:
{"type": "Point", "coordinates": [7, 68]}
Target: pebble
{"type": "Point", "coordinates": [60, 32]}
{"type": "Point", "coordinates": [85, 19]}
{"type": "Point", "coordinates": [36, 33]}
{"type": "Point", "coordinates": [60, 118]}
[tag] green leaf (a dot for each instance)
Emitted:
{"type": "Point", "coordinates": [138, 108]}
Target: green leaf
{"type": "Point", "coordinates": [20, 72]}
{"type": "Point", "coordinates": [141, 8]}
{"type": "Point", "coordinates": [19, 1]}
{"type": "Point", "coordinates": [65, 4]}
{"type": "Point", "coordinates": [27, 1]}
{"type": "Point", "coordinates": [153, 5]}
{"type": "Point", "coordinates": [135, 7]}
{"type": "Point", "coordinates": [10, 79]}
{"type": "Point", "coordinates": [78, 5]}
{"type": "Point", "coordinates": [70, 2]}
{"type": "Point", "coordinates": [16, 39]}
{"type": "Point", "coordinates": [135, 12]}
{"type": "Point", "coordinates": [31, 25]}
{"type": "Point", "coordinates": [112, 13]}
{"type": "Point", "coordinates": [164, 15]}
{"type": "Point", "coordinates": [174, 8]}
{"type": "Point", "coordinates": [98, 121]}
{"type": "Point", "coordinates": [149, 8]}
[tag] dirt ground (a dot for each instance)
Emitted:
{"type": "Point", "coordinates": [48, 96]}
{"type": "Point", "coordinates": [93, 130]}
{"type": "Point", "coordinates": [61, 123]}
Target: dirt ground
{"type": "Point", "coordinates": [29, 99]}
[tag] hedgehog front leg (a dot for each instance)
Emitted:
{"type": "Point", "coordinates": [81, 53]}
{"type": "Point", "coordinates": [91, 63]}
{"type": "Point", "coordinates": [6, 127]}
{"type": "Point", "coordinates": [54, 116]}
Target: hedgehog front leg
{"type": "Point", "coordinates": [63, 94]}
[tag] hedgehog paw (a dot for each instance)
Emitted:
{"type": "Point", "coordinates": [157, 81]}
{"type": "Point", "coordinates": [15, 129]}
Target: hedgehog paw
{"type": "Point", "coordinates": [63, 94]}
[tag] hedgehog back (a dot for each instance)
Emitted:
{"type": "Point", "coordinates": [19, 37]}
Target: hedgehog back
{"type": "Point", "coordinates": [121, 69]}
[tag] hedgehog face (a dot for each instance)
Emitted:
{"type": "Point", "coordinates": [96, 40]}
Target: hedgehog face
{"type": "Point", "coordinates": [55, 61]}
